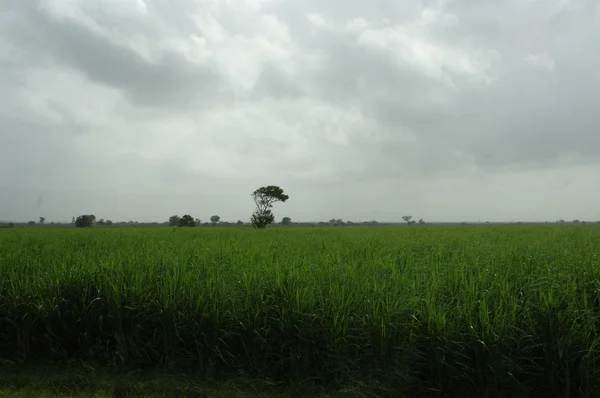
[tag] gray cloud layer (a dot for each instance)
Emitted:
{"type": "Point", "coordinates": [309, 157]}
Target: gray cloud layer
{"type": "Point", "coordinates": [447, 110]}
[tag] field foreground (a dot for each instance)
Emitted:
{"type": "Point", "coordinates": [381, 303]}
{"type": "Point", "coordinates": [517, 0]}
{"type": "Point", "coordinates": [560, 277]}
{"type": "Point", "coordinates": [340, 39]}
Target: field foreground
{"type": "Point", "coordinates": [451, 311]}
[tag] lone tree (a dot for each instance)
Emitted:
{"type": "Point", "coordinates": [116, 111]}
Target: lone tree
{"type": "Point", "coordinates": [187, 221]}
{"type": "Point", "coordinates": [85, 221]}
{"type": "Point", "coordinates": [214, 220]}
{"type": "Point", "coordinates": [286, 221]}
{"type": "Point", "coordinates": [336, 222]}
{"type": "Point", "coordinates": [42, 220]}
{"type": "Point", "coordinates": [265, 197]}
{"type": "Point", "coordinates": [408, 220]}
{"type": "Point", "coordinates": [174, 221]}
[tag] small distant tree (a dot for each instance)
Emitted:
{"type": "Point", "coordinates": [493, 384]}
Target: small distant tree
{"type": "Point", "coordinates": [187, 221]}
{"type": "Point", "coordinates": [286, 221]}
{"type": "Point", "coordinates": [561, 221]}
{"type": "Point", "coordinates": [108, 222]}
{"type": "Point", "coordinates": [264, 198]}
{"type": "Point", "coordinates": [575, 221]}
{"type": "Point", "coordinates": [198, 221]}
{"type": "Point", "coordinates": [84, 221]}
{"type": "Point", "coordinates": [101, 222]}
{"type": "Point", "coordinates": [407, 219]}
{"type": "Point", "coordinates": [174, 221]}
{"type": "Point", "coordinates": [336, 222]}
{"type": "Point", "coordinates": [73, 220]}
{"type": "Point", "coordinates": [31, 223]}
{"type": "Point", "coordinates": [421, 221]}
{"type": "Point", "coordinates": [42, 220]}
{"type": "Point", "coordinates": [215, 219]}
{"type": "Point", "coordinates": [240, 222]}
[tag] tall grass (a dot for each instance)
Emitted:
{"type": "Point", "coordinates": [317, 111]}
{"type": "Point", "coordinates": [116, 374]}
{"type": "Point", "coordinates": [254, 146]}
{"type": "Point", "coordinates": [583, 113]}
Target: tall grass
{"type": "Point", "coordinates": [457, 310]}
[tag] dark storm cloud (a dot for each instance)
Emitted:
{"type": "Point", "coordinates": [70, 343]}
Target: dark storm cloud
{"type": "Point", "coordinates": [528, 112]}
{"type": "Point", "coordinates": [170, 81]}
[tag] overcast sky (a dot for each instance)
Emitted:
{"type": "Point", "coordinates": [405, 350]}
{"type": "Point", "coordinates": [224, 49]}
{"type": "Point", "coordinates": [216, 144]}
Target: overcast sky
{"type": "Point", "coordinates": [443, 110]}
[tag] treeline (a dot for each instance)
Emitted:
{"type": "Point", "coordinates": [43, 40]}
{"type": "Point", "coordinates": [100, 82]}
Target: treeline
{"type": "Point", "coordinates": [284, 222]}
{"type": "Point", "coordinates": [176, 221]}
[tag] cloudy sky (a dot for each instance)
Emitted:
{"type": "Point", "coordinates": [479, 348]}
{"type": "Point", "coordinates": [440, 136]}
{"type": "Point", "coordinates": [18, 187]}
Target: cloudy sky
{"type": "Point", "coordinates": [441, 109]}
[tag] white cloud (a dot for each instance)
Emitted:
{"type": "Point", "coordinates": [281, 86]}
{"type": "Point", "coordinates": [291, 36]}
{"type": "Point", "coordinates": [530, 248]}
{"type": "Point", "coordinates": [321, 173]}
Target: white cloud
{"type": "Point", "coordinates": [540, 60]}
{"type": "Point", "coordinates": [318, 21]}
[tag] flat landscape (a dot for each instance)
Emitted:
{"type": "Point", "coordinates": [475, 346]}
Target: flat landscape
{"type": "Point", "coordinates": [401, 311]}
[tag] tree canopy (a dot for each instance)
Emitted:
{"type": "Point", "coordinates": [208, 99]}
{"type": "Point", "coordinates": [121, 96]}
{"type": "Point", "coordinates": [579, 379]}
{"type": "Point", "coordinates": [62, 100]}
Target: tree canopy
{"type": "Point", "coordinates": [187, 221]}
{"type": "Point", "coordinates": [264, 198]}
{"type": "Point", "coordinates": [174, 220]}
{"type": "Point", "coordinates": [85, 221]}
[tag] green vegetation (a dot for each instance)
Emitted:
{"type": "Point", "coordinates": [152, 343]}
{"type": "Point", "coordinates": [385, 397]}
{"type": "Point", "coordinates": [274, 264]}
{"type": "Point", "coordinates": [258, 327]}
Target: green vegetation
{"type": "Point", "coordinates": [85, 221]}
{"type": "Point", "coordinates": [74, 380]}
{"type": "Point", "coordinates": [264, 198]}
{"type": "Point", "coordinates": [459, 311]}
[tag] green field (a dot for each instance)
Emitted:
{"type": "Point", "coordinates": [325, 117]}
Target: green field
{"type": "Point", "coordinates": [451, 311]}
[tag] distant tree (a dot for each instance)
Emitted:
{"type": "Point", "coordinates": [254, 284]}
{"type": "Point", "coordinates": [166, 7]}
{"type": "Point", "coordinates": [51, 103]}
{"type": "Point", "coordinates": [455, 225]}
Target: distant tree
{"type": "Point", "coordinates": [264, 198]}
{"type": "Point", "coordinates": [240, 222]}
{"type": "Point", "coordinates": [198, 222]}
{"type": "Point", "coordinates": [421, 221]}
{"type": "Point", "coordinates": [73, 220]}
{"type": "Point", "coordinates": [575, 221]}
{"type": "Point", "coordinates": [84, 221]}
{"type": "Point", "coordinates": [187, 221]}
{"type": "Point", "coordinates": [174, 221]}
{"type": "Point", "coordinates": [93, 218]}
{"type": "Point", "coordinates": [101, 222]}
{"type": "Point", "coordinates": [108, 222]}
{"type": "Point", "coordinates": [561, 221]}
{"type": "Point", "coordinates": [407, 219]}
{"type": "Point", "coordinates": [11, 224]}
{"type": "Point", "coordinates": [336, 222]}
{"type": "Point", "coordinates": [286, 221]}
{"type": "Point", "coordinates": [42, 220]}
{"type": "Point", "coordinates": [31, 223]}
{"type": "Point", "coordinates": [215, 219]}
